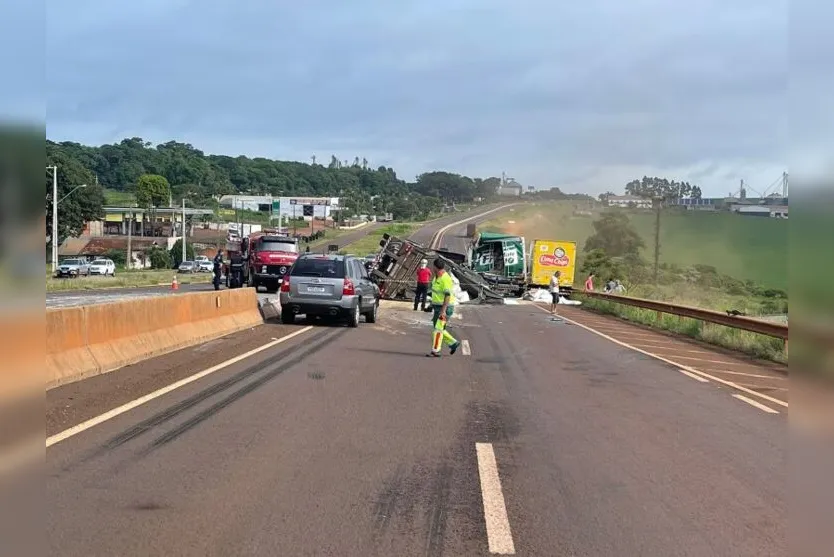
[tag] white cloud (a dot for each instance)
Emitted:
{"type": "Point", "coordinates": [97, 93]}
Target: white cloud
{"type": "Point", "coordinates": [582, 95]}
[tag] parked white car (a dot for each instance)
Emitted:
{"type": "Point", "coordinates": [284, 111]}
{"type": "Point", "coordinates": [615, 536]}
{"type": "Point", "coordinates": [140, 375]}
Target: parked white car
{"type": "Point", "coordinates": [103, 267]}
{"type": "Point", "coordinates": [204, 264]}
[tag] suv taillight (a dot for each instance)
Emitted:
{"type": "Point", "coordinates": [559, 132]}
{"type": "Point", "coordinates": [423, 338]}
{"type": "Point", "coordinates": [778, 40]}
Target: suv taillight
{"type": "Point", "coordinates": [348, 289]}
{"type": "Point", "coordinates": [285, 284]}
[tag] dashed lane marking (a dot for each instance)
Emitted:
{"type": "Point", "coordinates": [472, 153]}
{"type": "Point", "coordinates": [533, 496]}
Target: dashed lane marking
{"type": "Point", "coordinates": [465, 349]}
{"type": "Point", "coordinates": [499, 536]}
{"type": "Point", "coordinates": [92, 422]}
{"type": "Point", "coordinates": [756, 404]}
{"type": "Point", "coordinates": [679, 366]}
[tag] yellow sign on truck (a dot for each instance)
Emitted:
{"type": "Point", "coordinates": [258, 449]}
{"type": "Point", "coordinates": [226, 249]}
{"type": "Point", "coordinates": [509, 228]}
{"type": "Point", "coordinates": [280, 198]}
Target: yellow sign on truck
{"type": "Point", "coordinates": [549, 256]}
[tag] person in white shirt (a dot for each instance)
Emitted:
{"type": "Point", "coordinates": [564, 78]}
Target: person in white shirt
{"type": "Point", "coordinates": [554, 291]}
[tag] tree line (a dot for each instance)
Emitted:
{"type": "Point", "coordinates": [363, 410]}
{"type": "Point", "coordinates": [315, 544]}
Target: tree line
{"type": "Point", "coordinates": [653, 187]}
{"type": "Point", "coordinates": [202, 179]}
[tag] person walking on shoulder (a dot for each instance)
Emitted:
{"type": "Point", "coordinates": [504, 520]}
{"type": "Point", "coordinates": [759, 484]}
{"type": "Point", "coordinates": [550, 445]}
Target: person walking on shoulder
{"type": "Point", "coordinates": [443, 306]}
{"type": "Point", "coordinates": [554, 291]}
{"type": "Point", "coordinates": [423, 282]}
{"type": "Point", "coordinates": [589, 283]}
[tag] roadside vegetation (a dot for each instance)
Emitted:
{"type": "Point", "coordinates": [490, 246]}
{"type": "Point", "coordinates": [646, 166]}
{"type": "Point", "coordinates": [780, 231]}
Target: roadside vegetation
{"type": "Point", "coordinates": [370, 243]}
{"type": "Point", "coordinates": [619, 245]}
{"type": "Point", "coordinates": [124, 279]}
{"type": "Point", "coordinates": [746, 248]}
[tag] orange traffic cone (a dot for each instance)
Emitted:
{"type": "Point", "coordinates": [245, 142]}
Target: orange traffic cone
{"type": "Point", "coordinates": [174, 284]}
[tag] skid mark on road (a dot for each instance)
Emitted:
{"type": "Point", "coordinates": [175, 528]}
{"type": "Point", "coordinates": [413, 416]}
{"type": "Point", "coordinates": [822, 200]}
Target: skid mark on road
{"type": "Point", "coordinates": [147, 424]}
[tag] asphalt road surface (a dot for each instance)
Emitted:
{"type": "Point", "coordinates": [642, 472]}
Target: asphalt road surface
{"type": "Point", "coordinates": [454, 238]}
{"type": "Point", "coordinates": [538, 437]}
{"type": "Point", "coordinates": [90, 297]}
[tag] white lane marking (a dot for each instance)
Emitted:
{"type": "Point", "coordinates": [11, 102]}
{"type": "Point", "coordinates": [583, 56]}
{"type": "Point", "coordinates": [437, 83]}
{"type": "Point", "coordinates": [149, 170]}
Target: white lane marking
{"type": "Point", "coordinates": [678, 365]}
{"type": "Point", "coordinates": [499, 536]}
{"type": "Point", "coordinates": [693, 376]}
{"type": "Point", "coordinates": [465, 349]}
{"type": "Point", "coordinates": [654, 345]}
{"type": "Point", "coordinates": [92, 422]}
{"type": "Point", "coordinates": [756, 404]}
{"type": "Point", "coordinates": [439, 234]}
{"type": "Point", "coordinates": [736, 364]}
{"type": "Point", "coordinates": [770, 377]}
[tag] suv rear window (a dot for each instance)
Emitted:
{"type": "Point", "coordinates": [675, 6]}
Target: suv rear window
{"type": "Point", "coordinates": [318, 267]}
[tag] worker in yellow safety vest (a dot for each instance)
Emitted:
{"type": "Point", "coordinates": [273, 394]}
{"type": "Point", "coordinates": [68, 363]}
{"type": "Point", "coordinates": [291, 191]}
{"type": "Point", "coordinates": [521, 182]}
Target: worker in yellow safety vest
{"type": "Point", "coordinates": [443, 306]}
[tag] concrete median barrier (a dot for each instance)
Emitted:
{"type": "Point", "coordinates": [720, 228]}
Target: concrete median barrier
{"type": "Point", "coordinates": [90, 340]}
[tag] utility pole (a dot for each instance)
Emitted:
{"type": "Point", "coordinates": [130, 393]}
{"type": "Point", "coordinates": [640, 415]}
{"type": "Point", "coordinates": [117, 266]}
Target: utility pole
{"type": "Point", "coordinates": [129, 262]}
{"type": "Point", "coordinates": [183, 228]}
{"type": "Point", "coordinates": [658, 203]}
{"type": "Point", "coordinates": [54, 239]}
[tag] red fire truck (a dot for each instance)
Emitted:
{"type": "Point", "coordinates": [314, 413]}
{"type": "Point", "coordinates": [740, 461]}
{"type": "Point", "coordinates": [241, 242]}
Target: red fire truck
{"type": "Point", "coordinates": [266, 256]}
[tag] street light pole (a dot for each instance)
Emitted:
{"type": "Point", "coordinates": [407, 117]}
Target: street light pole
{"type": "Point", "coordinates": [55, 202]}
{"type": "Point", "coordinates": [54, 170]}
{"type": "Point", "coordinates": [183, 228]}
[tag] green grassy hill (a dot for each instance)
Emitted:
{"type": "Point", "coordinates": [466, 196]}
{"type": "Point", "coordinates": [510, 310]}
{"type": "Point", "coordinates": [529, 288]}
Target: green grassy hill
{"type": "Point", "coordinates": [744, 247]}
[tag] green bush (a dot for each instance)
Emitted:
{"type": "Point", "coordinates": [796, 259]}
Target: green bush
{"type": "Point", "coordinates": [159, 258]}
{"type": "Point", "coordinates": [176, 253]}
{"type": "Point", "coordinates": [119, 257]}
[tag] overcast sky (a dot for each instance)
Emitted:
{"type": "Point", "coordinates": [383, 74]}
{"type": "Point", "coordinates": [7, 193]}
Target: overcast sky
{"type": "Point", "coordinates": [583, 95]}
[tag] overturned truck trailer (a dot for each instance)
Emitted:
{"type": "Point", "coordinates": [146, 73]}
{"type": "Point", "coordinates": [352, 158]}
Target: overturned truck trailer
{"type": "Point", "coordinates": [395, 271]}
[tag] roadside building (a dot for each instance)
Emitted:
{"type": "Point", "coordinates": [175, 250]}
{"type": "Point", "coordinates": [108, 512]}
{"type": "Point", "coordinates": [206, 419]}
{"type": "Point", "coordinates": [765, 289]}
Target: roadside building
{"type": "Point", "coordinates": [629, 201]}
{"type": "Point", "coordinates": [288, 207]}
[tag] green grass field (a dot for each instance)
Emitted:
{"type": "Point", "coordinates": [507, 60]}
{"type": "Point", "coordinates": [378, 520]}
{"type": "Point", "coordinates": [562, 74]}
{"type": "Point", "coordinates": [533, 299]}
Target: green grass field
{"type": "Point", "coordinates": [124, 279]}
{"type": "Point", "coordinates": [115, 198]}
{"type": "Point", "coordinates": [370, 243]}
{"type": "Point", "coordinates": [747, 248]}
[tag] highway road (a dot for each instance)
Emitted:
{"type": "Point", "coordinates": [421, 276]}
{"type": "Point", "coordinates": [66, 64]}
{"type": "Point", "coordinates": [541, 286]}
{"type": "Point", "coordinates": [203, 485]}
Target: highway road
{"type": "Point", "coordinates": [90, 297]}
{"type": "Point", "coordinates": [539, 437]}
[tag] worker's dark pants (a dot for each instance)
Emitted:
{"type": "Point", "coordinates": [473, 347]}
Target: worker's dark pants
{"type": "Point", "coordinates": [420, 296]}
{"type": "Point", "coordinates": [216, 280]}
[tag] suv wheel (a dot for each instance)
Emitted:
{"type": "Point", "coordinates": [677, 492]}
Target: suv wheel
{"type": "Point", "coordinates": [371, 316]}
{"type": "Point", "coordinates": [287, 318]}
{"type": "Point", "coordinates": [354, 315]}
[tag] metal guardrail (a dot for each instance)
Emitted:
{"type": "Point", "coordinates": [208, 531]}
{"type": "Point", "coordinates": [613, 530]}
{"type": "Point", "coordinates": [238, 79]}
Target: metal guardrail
{"type": "Point", "coordinates": [768, 328]}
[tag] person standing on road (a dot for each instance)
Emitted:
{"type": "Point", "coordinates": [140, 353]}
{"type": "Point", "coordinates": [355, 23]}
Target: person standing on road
{"type": "Point", "coordinates": [423, 282]}
{"type": "Point", "coordinates": [554, 291]}
{"type": "Point", "coordinates": [218, 268]}
{"type": "Point", "coordinates": [443, 306]}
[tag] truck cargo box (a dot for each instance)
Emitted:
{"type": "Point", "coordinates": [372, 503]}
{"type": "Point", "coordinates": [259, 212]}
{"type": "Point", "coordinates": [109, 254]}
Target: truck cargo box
{"type": "Point", "coordinates": [549, 256]}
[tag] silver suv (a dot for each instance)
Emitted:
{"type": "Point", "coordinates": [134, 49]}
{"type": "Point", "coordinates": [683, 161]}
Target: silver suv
{"type": "Point", "coordinates": [329, 285]}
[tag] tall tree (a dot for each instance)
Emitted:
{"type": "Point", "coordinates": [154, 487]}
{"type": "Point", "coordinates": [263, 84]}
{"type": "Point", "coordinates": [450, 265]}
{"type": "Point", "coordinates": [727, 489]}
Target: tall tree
{"type": "Point", "coordinates": [152, 190]}
{"type": "Point", "coordinates": [615, 235]}
{"type": "Point", "coordinates": [76, 207]}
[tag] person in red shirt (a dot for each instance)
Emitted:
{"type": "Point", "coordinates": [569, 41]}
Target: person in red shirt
{"type": "Point", "coordinates": [423, 281]}
{"type": "Point", "coordinates": [589, 283]}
